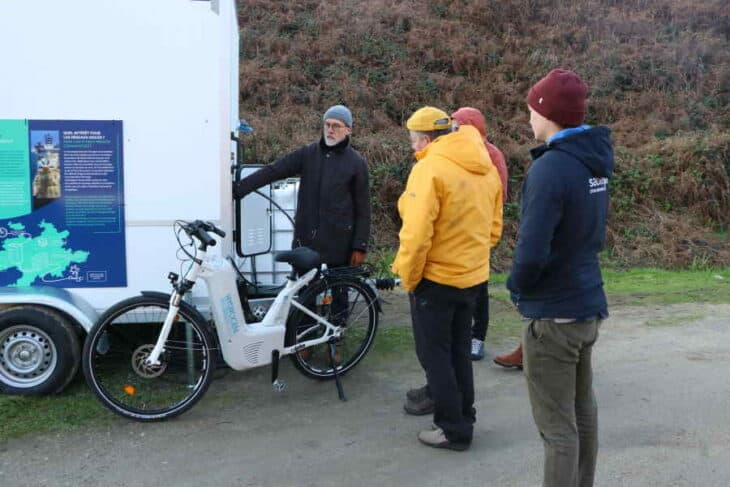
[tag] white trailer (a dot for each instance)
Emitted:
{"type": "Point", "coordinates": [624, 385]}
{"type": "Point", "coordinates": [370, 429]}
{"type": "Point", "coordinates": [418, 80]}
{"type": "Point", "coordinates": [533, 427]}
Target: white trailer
{"type": "Point", "coordinates": [123, 114]}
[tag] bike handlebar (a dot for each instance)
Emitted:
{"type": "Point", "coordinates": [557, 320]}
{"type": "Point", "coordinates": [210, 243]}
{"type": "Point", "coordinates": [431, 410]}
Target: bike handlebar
{"type": "Point", "coordinates": [199, 229]}
{"type": "Point", "coordinates": [203, 236]}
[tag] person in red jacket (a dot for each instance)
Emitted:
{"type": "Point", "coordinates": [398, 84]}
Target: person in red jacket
{"type": "Point", "coordinates": [472, 116]}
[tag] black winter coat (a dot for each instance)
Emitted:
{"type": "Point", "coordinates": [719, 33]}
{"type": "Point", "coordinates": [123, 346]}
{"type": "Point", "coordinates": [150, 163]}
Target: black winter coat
{"type": "Point", "coordinates": [333, 204]}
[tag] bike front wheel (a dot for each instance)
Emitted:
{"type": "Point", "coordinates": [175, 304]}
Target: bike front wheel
{"type": "Point", "coordinates": [345, 302]}
{"type": "Point", "coordinates": [116, 349]}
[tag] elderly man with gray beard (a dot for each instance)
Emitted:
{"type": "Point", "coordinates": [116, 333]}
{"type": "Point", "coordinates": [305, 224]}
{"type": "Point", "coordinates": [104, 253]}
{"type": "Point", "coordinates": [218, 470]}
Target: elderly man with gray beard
{"type": "Point", "coordinates": [333, 204]}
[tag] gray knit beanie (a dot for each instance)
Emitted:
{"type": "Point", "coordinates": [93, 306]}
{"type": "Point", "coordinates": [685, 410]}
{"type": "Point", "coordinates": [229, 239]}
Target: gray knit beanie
{"type": "Point", "coordinates": [339, 112]}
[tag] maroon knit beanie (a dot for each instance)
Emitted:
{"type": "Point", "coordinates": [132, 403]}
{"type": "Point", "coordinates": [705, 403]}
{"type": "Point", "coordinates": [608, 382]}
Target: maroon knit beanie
{"type": "Point", "coordinates": [560, 97]}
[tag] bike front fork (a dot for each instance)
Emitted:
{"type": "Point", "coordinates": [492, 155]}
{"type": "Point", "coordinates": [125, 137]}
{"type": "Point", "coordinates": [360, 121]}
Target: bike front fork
{"type": "Point", "coordinates": [154, 356]}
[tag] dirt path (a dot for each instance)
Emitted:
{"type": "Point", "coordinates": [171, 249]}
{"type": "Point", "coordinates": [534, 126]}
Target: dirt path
{"type": "Point", "coordinates": [661, 378]}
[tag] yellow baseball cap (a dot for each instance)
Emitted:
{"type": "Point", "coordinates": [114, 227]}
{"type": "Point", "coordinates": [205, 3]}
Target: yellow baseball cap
{"type": "Point", "coordinates": [428, 119]}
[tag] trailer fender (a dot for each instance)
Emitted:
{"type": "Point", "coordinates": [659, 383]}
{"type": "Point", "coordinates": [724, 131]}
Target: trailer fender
{"type": "Point", "coordinates": [60, 299]}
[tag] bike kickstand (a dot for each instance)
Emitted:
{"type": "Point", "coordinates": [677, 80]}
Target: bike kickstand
{"type": "Point", "coordinates": [276, 384]}
{"type": "Point", "coordinates": [338, 384]}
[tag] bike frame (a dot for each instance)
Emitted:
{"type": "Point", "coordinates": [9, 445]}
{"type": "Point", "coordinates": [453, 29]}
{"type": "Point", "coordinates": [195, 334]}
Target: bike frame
{"type": "Point", "coordinates": [243, 345]}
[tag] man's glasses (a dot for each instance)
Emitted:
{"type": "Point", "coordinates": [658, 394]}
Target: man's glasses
{"type": "Point", "coordinates": [334, 126]}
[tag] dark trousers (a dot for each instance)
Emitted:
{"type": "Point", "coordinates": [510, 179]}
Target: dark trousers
{"type": "Point", "coordinates": [441, 318]}
{"type": "Point", "coordinates": [340, 310]}
{"type": "Point", "coordinates": [560, 384]}
{"type": "Point", "coordinates": [481, 312]}
{"type": "Point", "coordinates": [340, 307]}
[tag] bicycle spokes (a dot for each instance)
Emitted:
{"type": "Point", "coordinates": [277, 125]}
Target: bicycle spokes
{"type": "Point", "coordinates": [124, 377]}
{"type": "Point", "coordinates": [345, 303]}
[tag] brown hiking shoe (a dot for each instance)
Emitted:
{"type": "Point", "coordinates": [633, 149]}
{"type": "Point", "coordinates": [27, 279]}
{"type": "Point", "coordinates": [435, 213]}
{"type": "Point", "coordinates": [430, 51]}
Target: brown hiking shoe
{"type": "Point", "coordinates": [418, 394]}
{"type": "Point", "coordinates": [509, 360]}
{"type": "Point", "coordinates": [419, 408]}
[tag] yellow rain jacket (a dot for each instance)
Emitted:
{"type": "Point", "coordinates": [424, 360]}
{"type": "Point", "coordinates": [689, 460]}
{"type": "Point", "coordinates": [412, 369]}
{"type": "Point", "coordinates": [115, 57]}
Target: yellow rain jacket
{"type": "Point", "coordinates": [451, 211]}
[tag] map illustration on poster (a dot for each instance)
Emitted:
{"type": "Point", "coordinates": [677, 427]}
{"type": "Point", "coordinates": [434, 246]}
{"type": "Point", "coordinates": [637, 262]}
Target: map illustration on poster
{"type": "Point", "coordinates": [62, 203]}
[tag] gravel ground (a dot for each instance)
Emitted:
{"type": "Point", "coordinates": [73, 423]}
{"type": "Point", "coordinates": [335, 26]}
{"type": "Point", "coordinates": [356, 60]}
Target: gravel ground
{"type": "Point", "coordinates": [661, 379]}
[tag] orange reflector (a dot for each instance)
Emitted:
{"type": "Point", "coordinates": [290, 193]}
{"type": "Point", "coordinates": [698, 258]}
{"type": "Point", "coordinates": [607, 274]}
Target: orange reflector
{"type": "Point", "coordinates": [327, 300]}
{"type": "Point", "coordinates": [130, 390]}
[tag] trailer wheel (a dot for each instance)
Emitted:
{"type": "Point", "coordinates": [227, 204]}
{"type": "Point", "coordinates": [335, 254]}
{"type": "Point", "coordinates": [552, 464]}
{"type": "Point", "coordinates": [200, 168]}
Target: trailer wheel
{"type": "Point", "coordinates": [39, 351]}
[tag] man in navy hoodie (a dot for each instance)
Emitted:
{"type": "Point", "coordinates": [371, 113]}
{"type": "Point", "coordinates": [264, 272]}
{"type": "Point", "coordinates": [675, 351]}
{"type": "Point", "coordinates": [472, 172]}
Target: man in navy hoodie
{"type": "Point", "coordinates": [556, 278]}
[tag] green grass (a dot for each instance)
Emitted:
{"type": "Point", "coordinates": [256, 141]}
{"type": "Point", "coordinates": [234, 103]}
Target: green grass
{"type": "Point", "coordinates": [633, 286]}
{"type": "Point", "coordinates": [630, 287]}
{"type": "Point", "coordinates": [74, 408]}
{"type": "Point", "coordinates": [652, 286]}
{"type": "Point", "coordinates": [658, 286]}
{"type": "Point", "coordinates": [392, 340]}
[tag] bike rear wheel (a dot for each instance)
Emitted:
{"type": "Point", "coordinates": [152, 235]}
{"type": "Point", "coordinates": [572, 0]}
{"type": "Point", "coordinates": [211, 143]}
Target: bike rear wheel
{"type": "Point", "coordinates": [347, 302]}
{"type": "Point", "coordinates": [117, 346]}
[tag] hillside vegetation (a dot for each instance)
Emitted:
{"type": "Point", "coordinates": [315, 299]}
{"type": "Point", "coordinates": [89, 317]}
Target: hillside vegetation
{"type": "Point", "coordinates": [658, 71]}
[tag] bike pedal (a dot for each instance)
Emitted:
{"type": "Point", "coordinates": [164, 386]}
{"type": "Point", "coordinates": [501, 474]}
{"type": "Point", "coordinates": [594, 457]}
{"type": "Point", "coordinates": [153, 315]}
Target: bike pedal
{"type": "Point", "coordinates": [278, 386]}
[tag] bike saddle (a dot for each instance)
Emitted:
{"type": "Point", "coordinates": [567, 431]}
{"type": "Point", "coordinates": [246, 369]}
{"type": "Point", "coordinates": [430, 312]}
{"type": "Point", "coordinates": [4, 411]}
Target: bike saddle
{"type": "Point", "coordinates": [301, 259]}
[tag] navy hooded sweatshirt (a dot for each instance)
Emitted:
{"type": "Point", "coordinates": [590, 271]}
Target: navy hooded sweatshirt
{"type": "Point", "coordinates": [555, 270]}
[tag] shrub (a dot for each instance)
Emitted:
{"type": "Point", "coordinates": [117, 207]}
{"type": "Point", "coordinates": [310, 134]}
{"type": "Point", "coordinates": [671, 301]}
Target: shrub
{"type": "Point", "coordinates": [659, 72]}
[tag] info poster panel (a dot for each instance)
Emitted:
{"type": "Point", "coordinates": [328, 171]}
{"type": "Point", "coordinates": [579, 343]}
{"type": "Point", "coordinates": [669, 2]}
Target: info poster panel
{"type": "Point", "coordinates": [62, 203]}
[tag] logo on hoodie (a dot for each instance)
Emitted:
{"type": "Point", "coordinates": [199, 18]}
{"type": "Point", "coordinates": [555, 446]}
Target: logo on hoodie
{"type": "Point", "coordinates": [596, 185]}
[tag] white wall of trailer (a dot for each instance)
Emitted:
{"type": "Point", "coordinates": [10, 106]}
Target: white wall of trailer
{"type": "Point", "coordinates": [168, 69]}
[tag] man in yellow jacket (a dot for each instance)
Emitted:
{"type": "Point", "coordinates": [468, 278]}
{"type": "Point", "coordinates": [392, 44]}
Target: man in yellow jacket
{"type": "Point", "coordinates": [451, 211]}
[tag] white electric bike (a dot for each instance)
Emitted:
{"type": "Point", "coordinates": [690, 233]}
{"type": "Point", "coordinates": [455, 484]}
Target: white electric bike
{"type": "Point", "coordinates": [151, 357]}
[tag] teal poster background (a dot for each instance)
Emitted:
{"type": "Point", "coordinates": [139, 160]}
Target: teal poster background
{"type": "Point", "coordinates": [14, 169]}
{"type": "Point", "coordinates": [62, 203]}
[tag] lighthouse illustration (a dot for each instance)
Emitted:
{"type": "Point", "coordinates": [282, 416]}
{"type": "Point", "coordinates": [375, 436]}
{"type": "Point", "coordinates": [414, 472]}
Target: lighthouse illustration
{"type": "Point", "coordinates": [47, 179]}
